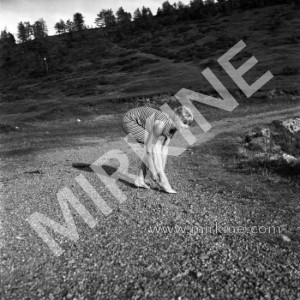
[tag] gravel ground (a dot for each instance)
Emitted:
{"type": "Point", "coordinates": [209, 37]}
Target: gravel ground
{"type": "Point", "coordinates": [124, 256]}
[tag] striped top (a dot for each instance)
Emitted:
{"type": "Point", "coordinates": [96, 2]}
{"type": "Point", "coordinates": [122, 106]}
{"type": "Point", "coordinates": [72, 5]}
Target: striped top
{"type": "Point", "coordinates": [142, 113]}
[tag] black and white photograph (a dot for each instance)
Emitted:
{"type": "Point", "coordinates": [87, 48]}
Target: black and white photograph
{"type": "Point", "coordinates": [150, 149]}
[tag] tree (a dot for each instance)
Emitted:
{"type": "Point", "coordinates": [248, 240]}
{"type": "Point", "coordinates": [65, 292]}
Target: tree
{"type": "Point", "coordinates": [40, 29]}
{"type": "Point", "coordinates": [168, 9]}
{"type": "Point", "coordinates": [78, 21]}
{"type": "Point", "coordinates": [222, 6]}
{"type": "Point", "coordinates": [60, 27]}
{"type": "Point", "coordinates": [70, 25]}
{"type": "Point", "coordinates": [105, 18]}
{"type": "Point", "coordinates": [146, 18]}
{"type": "Point", "coordinates": [123, 19]}
{"type": "Point", "coordinates": [29, 30]}
{"type": "Point", "coordinates": [146, 13]}
{"type": "Point", "coordinates": [182, 11]}
{"type": "Point", "coordinates": [137, 15]}
{"type": "Point", "coordinates": [167, 14]}
{"type": "Point", "coordinates": [6, 38]}
{"type": "Point", "coordinates": [295, 3]}
{"type": "Point", "coordinates": [197, 9]}
{"type": "Point", "coordinates": [7, 51]}
{"type": "Point", "coordinates": [210, 7]}
{"type": "Point", "coordinates": [22, 33]}
{"type": "Point", "coordinates": [143, 18]}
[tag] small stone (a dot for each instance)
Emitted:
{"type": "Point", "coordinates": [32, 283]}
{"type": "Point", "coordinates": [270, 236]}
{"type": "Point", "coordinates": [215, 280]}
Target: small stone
{"type": "Point", "coordinates": [293, 125]}
{"type": "Point", "coordinates": [204, 256]}
{"type": "Point", "coordinates": [40, 292]}
{"type": "Point", "coordinates": [285, 238]}
{"type": "Point", "coordinates": [289, 158]}
{"type": "Point", "coordinates": [51, 297]}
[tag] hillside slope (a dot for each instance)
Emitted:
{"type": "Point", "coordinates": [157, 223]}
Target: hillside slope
{"type": "Point", "coordinates": [90, 74]}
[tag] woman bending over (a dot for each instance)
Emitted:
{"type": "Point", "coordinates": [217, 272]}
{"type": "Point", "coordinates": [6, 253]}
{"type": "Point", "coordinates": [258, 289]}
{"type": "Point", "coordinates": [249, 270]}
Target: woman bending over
{"type": "Point", "coordinates": [155, 129]}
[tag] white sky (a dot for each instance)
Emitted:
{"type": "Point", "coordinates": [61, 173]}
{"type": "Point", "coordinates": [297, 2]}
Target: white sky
{"type": "Point", "coordinates": [14, 11]}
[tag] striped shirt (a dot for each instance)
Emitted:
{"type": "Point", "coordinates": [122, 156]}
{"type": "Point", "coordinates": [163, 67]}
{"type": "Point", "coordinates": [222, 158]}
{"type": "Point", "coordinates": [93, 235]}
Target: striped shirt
{"type": "Point", "coordinates": [142, 113]}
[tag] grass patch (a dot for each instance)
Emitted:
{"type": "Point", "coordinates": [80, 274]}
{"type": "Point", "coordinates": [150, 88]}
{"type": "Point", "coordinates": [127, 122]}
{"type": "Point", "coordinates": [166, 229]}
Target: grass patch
{"type": "Point", "coordinates": [289, 71]}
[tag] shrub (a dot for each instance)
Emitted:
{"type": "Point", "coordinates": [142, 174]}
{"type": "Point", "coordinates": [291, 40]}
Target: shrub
{"type": "Point", "coordinates": [5, 128]}
{"type": "Point", "coordinates": [138, 63]}
{"type": "Point", "coordinates": [184, 28]}
{"type": "Point", "coordinates": [210, 63]}
{"type": "Point", "coordinates": [193, 39]}
{"type": "Point", "coordinates": [292, 39]}
{"type": "Point", "coordinates": [103, 81]}
{"type": "Point", "coordinates": [289, 71]}
{"type": "Point", "coordinates": [37, 73]}
{"type": "Point", "coordinates": [222, 42]}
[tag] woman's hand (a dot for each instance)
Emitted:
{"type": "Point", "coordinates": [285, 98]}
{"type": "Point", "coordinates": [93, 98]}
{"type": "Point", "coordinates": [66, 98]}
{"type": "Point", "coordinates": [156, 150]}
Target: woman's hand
{"type": "Point", "coordinates": [155, 177]}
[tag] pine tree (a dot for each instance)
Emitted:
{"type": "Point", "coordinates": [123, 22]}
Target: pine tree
{"type": "Point", "coordinates": [7, 39]}
{"type": "Point", "coordinates": [105, 18]}
{"type": "Point", "coordinates": [78, 21]}
{"type": "Point", "coordinates": [40, 29]}
{"type": "Point", "coordinates": [137, 15]}
{"type": "Point", "coordinates": [69, 25]}
{"type": "Point", "coordinates": [60, 27]}
{"type": "Point", "coordinates": [197, 9]}
{"type": "Point", "coordinates": [29, 30]}
{"type": "Point", "coordinates": [22, 33]}
{"type": "Point", "coordinates": [123, 18]}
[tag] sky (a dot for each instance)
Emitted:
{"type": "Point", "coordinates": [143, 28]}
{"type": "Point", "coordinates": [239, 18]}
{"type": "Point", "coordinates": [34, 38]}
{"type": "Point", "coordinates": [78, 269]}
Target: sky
{"type": "Point", "coordinates": [14, 11]}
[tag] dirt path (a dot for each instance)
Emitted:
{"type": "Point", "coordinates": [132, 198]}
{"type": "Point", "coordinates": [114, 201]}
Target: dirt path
{"type": "Point", "coordinates": [243, 123]}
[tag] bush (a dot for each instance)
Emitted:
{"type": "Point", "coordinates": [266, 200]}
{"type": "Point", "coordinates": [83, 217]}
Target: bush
{"type": "Point", "coordinates": [289, 71]}
{"type": "Point", "coordinates": [292, 39]}
{"type": "Point", "coordinates": [184, 28]}
{"type": "Point", "coordinates": [210, 63]}
{"type": "Point", "coordinates": [5, 128]}
{"type": "Point", "coordinates": [138, 63]}
{"type": "Point", "coordinates": [222, 42]}
{"type": "Point", "coordinates": [192, 39]}
{"type": "Point", "coordinates": [37, 73]}
{"type": "Point", "coordinates": [126, 53]}
{"type": "Point", "coordinates": [65, 69]}
{"type": "Point", "coordinates": [103, 81]}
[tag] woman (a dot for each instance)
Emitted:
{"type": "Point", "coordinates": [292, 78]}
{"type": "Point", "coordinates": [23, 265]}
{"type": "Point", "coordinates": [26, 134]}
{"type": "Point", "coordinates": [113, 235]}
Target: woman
{"type": "Point", "coordinates": [155, 129]}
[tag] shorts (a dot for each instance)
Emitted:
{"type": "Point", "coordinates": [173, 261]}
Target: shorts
{"type": "Point", "coordinates": [132, 127]}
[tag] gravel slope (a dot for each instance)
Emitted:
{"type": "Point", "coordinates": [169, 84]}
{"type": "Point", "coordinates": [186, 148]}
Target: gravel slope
{"type": "Point", "coordinates": [123, 257]}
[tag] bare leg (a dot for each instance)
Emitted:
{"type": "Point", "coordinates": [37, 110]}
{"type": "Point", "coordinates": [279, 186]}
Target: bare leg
{"type": "Point", "coordinates": [140, 181]}
{"type": "Point", "coordinates": [161, 161]}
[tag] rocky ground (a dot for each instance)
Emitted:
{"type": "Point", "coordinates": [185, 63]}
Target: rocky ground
{"type": "Point", "coordinates": [151, 246]}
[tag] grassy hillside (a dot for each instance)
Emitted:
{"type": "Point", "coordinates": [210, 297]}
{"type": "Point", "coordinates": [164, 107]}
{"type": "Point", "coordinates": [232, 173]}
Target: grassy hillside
{"type": "Point", "coordinates": [90, 74]}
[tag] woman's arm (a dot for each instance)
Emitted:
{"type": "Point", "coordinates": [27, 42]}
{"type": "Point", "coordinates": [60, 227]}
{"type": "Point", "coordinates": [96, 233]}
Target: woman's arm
{"type": "Point", "coordinates": [153, 150]}
{"type": "Point", "coordinates": [165, 151]}
{"type": "Point", "coordinates": [154, 147]}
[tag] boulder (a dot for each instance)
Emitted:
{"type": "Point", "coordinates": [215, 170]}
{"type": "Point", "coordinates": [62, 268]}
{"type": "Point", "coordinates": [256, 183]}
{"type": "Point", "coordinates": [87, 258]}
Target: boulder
{"type": "Point", "coordinates": [258, 139]}
{"type": "Point", "coordinates": [293, 125]}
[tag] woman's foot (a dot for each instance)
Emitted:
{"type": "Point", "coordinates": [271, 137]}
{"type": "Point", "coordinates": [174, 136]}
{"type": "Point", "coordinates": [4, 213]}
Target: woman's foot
{"type": "Point", "coordinates": [141, 183]}
{"type": "Point", "coordinates": [167, 188]}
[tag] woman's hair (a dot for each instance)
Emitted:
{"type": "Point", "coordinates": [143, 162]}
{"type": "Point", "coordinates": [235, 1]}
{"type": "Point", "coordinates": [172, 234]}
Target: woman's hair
{"type": "Point", "coordinates": [185, 114]}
